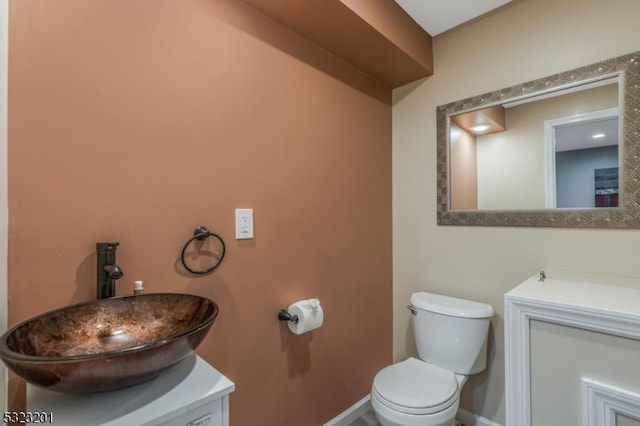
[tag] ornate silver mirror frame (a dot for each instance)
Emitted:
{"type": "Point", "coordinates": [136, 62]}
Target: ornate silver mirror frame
{"type": "Point", "coordinates": [625, 216]}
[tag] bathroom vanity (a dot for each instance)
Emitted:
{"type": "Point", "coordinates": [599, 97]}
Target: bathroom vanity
{"type": "Point", "coordinates": [572, 341]}
{"type": "Point", "coordinates": [191, 393]}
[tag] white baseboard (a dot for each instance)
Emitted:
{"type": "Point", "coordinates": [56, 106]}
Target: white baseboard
{"type": "Point", "coordinates": [469, 419]}
{"type": "Point", "coordinates": [352, 413]}
{"type": "Point", "coordinates": [359, 408]}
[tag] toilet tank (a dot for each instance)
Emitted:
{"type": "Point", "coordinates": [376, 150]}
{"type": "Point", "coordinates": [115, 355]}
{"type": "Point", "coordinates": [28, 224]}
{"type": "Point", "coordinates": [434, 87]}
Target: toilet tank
{"type": "Point", "coordinates": [451, 332]}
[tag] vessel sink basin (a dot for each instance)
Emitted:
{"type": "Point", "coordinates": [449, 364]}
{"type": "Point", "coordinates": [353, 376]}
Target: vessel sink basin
{"type": "Point", "coordinates": [107, 344]}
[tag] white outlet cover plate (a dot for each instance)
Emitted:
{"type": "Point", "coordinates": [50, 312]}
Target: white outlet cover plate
{"type": "Point", "coordinates": [244, 224]}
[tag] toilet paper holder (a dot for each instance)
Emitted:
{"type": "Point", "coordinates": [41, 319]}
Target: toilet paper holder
{"type": "Point", "coordinates": [284, 315]}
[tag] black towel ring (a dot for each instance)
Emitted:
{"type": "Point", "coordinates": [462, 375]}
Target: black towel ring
{"type": "Point", "coordinates": [200, 234]}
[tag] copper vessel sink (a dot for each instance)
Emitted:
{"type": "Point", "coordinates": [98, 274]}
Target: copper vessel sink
{"type": "Point", "coordinates": [107, 344]}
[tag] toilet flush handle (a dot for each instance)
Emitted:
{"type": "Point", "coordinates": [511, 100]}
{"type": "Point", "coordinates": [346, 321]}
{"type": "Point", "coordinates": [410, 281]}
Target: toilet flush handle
{"type": "Point", "coordinates": [413, 310]}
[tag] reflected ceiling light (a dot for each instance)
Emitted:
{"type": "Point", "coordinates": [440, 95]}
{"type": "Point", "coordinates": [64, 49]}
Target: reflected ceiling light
{"type": "Point", "coordinates": [480, 127]}
{"type": "Point", "coordinates": [598, 135]}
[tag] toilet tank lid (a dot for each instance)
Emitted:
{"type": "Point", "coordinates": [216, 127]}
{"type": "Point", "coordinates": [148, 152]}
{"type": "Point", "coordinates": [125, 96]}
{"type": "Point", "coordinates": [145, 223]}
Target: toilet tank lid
{"type": "Point", "coordinates": [451, 306]}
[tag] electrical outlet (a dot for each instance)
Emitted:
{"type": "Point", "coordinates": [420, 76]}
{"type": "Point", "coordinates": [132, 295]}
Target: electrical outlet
{"type": "Point", "coordinates": [244, 224]}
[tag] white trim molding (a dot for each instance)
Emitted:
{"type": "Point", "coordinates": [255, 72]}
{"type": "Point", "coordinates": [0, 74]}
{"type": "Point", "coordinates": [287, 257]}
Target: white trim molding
{"type": "Point", "coordinates": [470, 419]}
{"type": "Point", "coordinates": [602, 403]}
{"type": "Point", "coordinates": [352, 413]}
{"type": "Point", "coordinates": [598, 303]}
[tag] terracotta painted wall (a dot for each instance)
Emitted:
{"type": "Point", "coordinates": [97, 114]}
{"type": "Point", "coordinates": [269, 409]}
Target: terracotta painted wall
{"type": "Point", "coordinates": [464, 169]}
{"type": "Point", "coordinates": [136, 121]}
{"type": "Point", "coordinates": [4, 55]}
{"type": "Point", "coordinates": [391, 20]}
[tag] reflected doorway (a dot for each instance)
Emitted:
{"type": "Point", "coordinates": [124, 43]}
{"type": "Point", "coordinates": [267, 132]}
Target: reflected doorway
{"type": "Point", "coordinates": [582, 160]}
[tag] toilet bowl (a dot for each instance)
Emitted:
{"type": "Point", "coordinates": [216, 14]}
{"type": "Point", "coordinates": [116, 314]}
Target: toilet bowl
{"type": "Point", "coordinates": [451, 338]}
{"type": "Point", "coordinates": [415, 393]}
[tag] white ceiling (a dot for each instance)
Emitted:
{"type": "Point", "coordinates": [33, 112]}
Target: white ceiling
{"type": "Point", "coordinates": [436, 16]}
{"type": "Point", "coordinates": [580, 135]}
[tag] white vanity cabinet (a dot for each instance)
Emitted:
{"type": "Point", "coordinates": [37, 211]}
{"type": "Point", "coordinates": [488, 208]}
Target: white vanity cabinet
{"type": "Point", "coordinates": [572, 341]}
{"type": "Point", "coordinates": [192, 393]}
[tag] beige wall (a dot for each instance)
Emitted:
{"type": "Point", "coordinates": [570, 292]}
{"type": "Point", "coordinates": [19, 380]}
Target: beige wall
{"type": "Point", "coordinates": [561, 356]}
{"type": "Point", "coordinates": [511, 164]}
{"type": "Point", "coordinates": [135, 121]}
{"type": "Point", "coordinates": [523, 41]}
{"type": "Point", "coordinates": [4, 54]}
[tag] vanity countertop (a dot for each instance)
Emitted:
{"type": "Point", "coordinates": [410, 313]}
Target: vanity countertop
{"type": "Point", "coordinates": [610, 293]}
{"type": "Point", "coordinates": [179, 391]}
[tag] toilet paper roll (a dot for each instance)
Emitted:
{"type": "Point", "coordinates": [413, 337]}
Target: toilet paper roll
{"type": "Point", "coordinates": [310, 316]}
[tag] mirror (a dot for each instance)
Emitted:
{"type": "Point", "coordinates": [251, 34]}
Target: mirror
{"type": "Point", "coordinates": [558, 151]}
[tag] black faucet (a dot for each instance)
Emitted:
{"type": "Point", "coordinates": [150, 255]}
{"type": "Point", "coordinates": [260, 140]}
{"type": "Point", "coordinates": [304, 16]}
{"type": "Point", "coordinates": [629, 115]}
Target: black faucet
{"type": "Point", "coordinates": [108, 270]}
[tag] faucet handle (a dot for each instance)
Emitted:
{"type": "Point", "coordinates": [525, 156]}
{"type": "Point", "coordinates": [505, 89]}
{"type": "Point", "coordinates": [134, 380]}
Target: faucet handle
{"type": "Point", "coordinates": [102, 247]}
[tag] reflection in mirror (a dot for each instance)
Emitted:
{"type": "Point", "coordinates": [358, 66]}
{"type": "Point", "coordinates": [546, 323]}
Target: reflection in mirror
{"type": "Point", "coordinates": [584, 149]}
{"type": "Point", "coordinates": [537, 153]}
{"type": "Point", "coordinates": [559, 151]}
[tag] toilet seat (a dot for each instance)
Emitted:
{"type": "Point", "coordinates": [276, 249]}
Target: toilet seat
{"type": "Point", "coordinates": [415, 387]}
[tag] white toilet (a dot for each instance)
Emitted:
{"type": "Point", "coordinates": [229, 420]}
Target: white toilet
{"type": "Point", "coordinates": [451, 337]}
